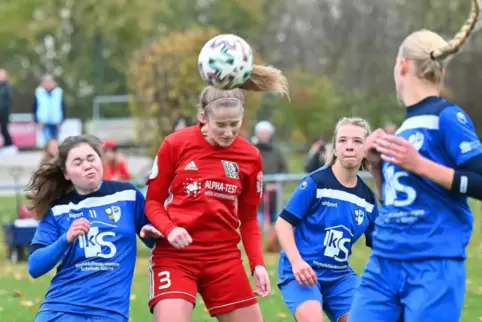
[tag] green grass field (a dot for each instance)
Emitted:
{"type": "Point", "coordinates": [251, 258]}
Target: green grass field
{"type": "Point", "coordinates": [21, 295]}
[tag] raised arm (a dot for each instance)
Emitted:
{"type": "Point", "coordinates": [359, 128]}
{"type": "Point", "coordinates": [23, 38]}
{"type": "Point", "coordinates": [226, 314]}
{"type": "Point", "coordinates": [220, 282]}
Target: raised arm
{"type": "Point", "coordinates": [461, 144]}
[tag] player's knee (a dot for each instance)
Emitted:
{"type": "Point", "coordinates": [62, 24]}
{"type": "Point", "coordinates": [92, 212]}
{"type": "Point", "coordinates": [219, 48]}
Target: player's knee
{"type": "Point", "coordinates": [343, 318]}
{"type": "Point", "coordinates": [173, 310]}
{"type": "Point", "coordinates": [309, 311]}
{"type": "Point", "coordinates": [250, 313]}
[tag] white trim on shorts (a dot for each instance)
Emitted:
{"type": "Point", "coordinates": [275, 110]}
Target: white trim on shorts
{"type": "Point", "coordinates": [232, 303]}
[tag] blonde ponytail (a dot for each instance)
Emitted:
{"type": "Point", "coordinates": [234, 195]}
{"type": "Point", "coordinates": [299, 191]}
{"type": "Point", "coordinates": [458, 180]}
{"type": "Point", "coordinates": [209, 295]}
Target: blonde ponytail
{"type": "Point", "coordinates": [266, 79]}
{"type": "Point", "coordinates": [454, 45]}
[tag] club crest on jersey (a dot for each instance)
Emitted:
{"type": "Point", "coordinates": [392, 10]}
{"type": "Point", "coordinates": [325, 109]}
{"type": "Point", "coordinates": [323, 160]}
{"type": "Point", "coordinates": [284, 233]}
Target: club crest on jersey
{"type": "Point", "coordinates": [461, 118]}
{"type": "Point", "coordinates": [359, 215]}
{"type": "Point", "coordinates": [259, 182]}
{"type": "Point", "coordinates": [417, 140]}
{"type": "Point", "coordinates": [113, 213]}
{"type": "Point", "coordinates": [231, 169]}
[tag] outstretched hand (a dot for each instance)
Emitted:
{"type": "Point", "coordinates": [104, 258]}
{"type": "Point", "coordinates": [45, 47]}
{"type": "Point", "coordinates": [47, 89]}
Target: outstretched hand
{"type": "Point", "coordinates": [149, 231]}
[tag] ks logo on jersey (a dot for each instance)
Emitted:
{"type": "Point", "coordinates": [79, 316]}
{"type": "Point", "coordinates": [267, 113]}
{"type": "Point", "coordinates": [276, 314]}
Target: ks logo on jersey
{"type": "Point", "coordinates": [336, 245]}
{"type": "Point", "coordinates": [93, 242]}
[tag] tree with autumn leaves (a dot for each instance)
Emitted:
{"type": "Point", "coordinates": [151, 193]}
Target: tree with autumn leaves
{"type": "Point", "coordinates": [166, 84]}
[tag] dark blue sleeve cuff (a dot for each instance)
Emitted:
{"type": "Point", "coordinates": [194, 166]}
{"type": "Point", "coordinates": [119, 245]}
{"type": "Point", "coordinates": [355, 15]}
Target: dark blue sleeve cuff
{"type": "Point", "coordinates": [289, 217]}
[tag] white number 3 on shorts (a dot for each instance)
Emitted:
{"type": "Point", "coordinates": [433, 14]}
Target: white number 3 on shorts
{"type": "Point", "coordinates": [164, 280]}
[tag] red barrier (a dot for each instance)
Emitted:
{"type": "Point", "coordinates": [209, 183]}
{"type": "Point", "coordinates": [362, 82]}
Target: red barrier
{"type": "Point", "coordinates": [24, 134]}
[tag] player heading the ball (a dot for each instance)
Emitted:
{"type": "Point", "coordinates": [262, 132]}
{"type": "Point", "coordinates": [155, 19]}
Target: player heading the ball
{"type": "Point", "coordinates": [226, 62]}
{"type": "Point", "coordinates": [206, 182]}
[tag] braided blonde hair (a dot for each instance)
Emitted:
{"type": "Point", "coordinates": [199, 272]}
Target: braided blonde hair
{"type": "Point", "coordinates": [428, 50]}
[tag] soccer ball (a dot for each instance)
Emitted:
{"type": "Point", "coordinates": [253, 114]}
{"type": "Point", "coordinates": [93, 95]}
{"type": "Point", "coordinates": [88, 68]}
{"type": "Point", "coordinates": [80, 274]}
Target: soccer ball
{"type": "Point", "coordinates": [225, 61]}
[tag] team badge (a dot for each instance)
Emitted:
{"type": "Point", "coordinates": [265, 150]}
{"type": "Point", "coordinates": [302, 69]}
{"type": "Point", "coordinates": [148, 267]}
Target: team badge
{"type": "Point", "coordinates": [231, 169]}
{"type": "Point", "coordinates": [461, 118]}
{"type": "Point", "coordinates": [417, 140]}
{"type": "Point", "coordinates": [259, 182]}
{"type": "Point", "coordinates": [113, 213]}
{"type": "Point", "coordinates": [359, 215]}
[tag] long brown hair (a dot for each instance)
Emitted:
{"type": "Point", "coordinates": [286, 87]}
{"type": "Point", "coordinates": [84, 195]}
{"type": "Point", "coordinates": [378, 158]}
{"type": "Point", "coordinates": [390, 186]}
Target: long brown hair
{"type": "Point", "coordinates": [48, 183]}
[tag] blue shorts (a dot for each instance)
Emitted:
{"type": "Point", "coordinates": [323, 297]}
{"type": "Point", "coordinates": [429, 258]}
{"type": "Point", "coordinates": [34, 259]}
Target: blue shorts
{"type": "Point", "coordinates": [335, 296]}
{"type": "Point", "coordinates": [53, 316]}
{"type": "Point", "coordinates": [393, 290]}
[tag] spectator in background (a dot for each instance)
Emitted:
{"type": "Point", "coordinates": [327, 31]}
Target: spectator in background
{"type": "Point", "coordinates": [6, 100]}
{"type": "Point", "coordinates": [274, 162]}
{"type": "Point", "coordinates": [316, 157]}
{"type": "Point", "coordinates": [390, 128]}
{"type": "Point", "coordinates": [49, 108]}
{"type": "Point", "coordinates": [50, 150]}
{"type": "Point", "coordinates": [181, 123]}
{"type": "Point", "coordinates": [115, 167]}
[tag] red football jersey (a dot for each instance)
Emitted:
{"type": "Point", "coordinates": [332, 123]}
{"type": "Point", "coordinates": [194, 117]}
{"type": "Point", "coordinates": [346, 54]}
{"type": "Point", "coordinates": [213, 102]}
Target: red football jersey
{"type": "Point", "coordinates": [197, 186]}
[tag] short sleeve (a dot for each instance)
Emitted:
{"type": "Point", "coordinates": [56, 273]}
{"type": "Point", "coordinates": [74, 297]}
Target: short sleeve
{"type": "Point", "coordinates": [459, 137]}
{"type": "Point", "coordinates": [47, 231]}
{"type": "Point", "coordinates": [300, 201]}
{"type": "Point", "coordinates": [253, 184]}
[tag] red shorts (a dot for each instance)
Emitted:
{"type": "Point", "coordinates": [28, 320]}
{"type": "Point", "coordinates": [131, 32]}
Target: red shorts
{"type": "Point", "coordinates": [223, 284]}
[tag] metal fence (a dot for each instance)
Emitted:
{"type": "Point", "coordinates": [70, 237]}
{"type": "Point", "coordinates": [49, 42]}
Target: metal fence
{"type": "Point", "coordinates": [279, 179]}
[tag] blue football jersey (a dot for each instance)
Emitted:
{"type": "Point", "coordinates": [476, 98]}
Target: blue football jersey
{"type": "Point", "coordinates": [328, 219]}
{"type": "Point", "coordinates": [95, 274]}
{"type": "Point", "coordinates": [418, 218]}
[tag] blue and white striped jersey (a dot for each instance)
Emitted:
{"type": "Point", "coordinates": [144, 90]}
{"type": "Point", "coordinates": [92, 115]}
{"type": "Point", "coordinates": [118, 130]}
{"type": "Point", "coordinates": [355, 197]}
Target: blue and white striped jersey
{"type": "Point", "coordinates": [95, 274]}
{"type": "Point", "coordinates": [418, 218]}
{"type": "Point", "coordinates": [328, 219]}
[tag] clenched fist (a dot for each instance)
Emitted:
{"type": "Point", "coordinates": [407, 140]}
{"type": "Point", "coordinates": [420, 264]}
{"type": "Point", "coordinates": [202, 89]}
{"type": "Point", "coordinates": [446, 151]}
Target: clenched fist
{"type": "Point", "coordinates": [79, 227]}
{"type": "Point", "coordinates": [179, 238]}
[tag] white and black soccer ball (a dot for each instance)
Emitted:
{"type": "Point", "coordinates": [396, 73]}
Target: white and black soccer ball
{"type": "Point", "coordinates": [225, 61]}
